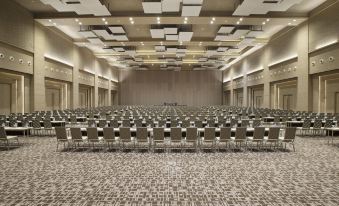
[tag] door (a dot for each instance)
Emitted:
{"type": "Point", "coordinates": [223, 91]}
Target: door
{"type": "Point", "coordinates": [337, 102]}
{"type": "Point", "coordinates": [287, 102]}
{"type": "Point", "coordinates": [258, 102]}
{"type": "Point", "coordinates": [240, 100]}
{"type": "Point", "coordinates": [227, 99]}
{"type": "Point", "coordinates": [53, 99]}
{"type": "Point", "coordinates": [5, 103]}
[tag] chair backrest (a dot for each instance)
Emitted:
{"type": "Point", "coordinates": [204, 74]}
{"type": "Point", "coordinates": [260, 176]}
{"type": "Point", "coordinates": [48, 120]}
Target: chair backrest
{"type": "Point", "coordinates": [47, 124]}
{"type": "Point", "coordinates": [211, 123]}
{"type": "Point", "coordinates": [161, 123]}
{"type": "Point", "coordinates": [256, 123]}
{"type": "Point", "coordinates": [198, 123]}
{"type": "Point", "coordinates": [36, 124]}
{"type": "Point", "coordinates": [102, 123]}
{"type": "Point", "coordinates": [234, 122]}
{"type": "Point", "coordinates": [126, 123]}
{"type": "Point", "coordinates": [273, 133]}
{"type": "Point", "coordinates": [114, 123]}
{"type": "Point", "coordinates": [185, 123]}
{"type": "Point", "coordinates": [73, 119]}
{"type": "Point", "coordinates": [142, 133]}
{"type": "Point", "coordinates": [329, 123]}
{"type": "Point", "coordinates": [209, 133]}
{"type": "Point", "coordinates": [13, 123]}
{"type": "Point", "coordinates": [240, 133]}
{"type": "Point", "coordinates": [92, 123]}
{"type": "Point", "coordinates": [225, 133]}
{"type": "Point", "coordinates": [25, 123]}
{"type": "Point", "coordinates": [176, 133]}
{"type": "Point", "coordinates": [158, 133]}
{"type": "Point", "coordinates": [318, 123]}
{"type": "Point", "coordinates": [174, 123]}
{"type": "Point", "coordinates": [61, 133]}
{"type": "Point", "coordinates": [109, 133]}
{"type": "Point", "coordinates": [259, 133]}
{"type": "Point", "coordinates": [125, 133]}
{"type": "Point", "coordinates": [245, 123]}
{"type": "Point", "coordinates": [138, 123]}
{"type": "Point", "coordinates": [306, 124]}
{"type": "Point", "coordinates": [3, 133]}
{"type": "Point", "coordinates": [76, 133]}
{"type": "Point", "coordinates": [191, 133]}
{"type": "Point", "coordinates": [92, 133]}
{"type": "Point", "coordinates": [290, 133]}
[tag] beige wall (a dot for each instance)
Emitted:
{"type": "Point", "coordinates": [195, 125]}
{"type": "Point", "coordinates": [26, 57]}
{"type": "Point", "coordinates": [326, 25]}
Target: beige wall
{"type": "Point", "coordinates": [193, 88]}
{"type": "Point", "coordinates": [295, 53]}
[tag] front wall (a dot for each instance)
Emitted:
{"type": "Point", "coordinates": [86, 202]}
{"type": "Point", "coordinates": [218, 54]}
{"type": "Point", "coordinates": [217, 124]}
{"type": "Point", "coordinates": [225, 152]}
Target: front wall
{"type": "Point", "coordinates": [192, 88]}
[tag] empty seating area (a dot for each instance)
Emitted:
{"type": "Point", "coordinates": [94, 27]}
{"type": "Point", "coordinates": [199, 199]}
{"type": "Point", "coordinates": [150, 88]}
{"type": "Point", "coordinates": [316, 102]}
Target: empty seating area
{"type": "Point", "coordinates": [166, 127]}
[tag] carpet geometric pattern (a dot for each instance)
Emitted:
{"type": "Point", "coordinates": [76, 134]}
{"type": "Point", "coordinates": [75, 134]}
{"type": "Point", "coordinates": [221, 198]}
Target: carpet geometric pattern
{"type": "Point", "coordinates": [35, 174]}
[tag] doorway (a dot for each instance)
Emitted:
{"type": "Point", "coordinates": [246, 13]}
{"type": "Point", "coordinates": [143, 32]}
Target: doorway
{"type": "Point", "coordinates": [337, 102]}
{"type": "Point", "coordinates": [287, 102]}
{"type": "Point", "coordinates": [258, 102]}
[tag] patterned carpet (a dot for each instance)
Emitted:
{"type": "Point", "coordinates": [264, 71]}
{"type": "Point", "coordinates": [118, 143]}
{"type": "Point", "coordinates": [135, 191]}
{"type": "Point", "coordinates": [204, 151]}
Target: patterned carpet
{"type": "Point", "coordinates": [35, 174]}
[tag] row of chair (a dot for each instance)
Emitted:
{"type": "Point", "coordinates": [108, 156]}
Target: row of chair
{"type": "Point", "coordinates": [156, 138]}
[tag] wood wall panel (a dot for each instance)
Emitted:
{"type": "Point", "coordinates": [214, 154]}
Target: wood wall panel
{"type": "Point", "coordinates": [193, 88]}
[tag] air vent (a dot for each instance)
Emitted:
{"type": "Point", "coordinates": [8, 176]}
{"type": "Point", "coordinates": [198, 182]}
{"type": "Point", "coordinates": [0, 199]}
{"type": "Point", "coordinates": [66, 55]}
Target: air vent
{"type": "Point", "coordinates": [72, 2]}
{"type": "Point", "coordinates": [270, 2]}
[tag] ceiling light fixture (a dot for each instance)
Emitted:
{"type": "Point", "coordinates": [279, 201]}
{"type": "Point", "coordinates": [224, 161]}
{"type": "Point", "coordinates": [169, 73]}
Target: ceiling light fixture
{"type": "Point", "coordinates": [264, 23]}
{"type": "Point", "coordinates": [213, 19]}
{"type": "Point", "coordinates": [186, 18]}
{"type": "Point", "coordinates": [76, 20]}
{"type": "Point", "coordinates": [158, 18]}
{"type": "Point", "coordinates": [50, 20]}
{"type": "Point", "coordinates": [103, 19]}
{"type": "Point", "coordinates": [132, 22]}
{"type": "Point", "coordinates": [294, 20]}
{"type": "Point", "coordinates": [240, 19]}
{"type": "Point", "coordinates": [267, 20]}
{"type": "Point", "coordinates": [289, 23]}
{"type": "Point", "coordinates": [211, 22]}
{"type": "Point", "coordinates": [238, 22]}
{"type": "Point", "coordinates": [80, 23]}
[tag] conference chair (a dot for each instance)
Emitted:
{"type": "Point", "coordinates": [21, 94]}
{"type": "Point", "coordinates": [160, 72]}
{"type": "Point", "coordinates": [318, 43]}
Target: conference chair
{"type": "Point", "coordinates": [78, 140]}
{"type": "Point", "coordinates": [142, 139]}
{"type": "Point", "coordinates": [209, 140]}
{"type": "Point", "coordinates": [7, 140]}
{"type": "Point", "coordinates": [114, 123]}
{"type": "Point", "coordinates": [240, 137]}
{"type": "Point", "coordinates": [109, 137]}
{"type": "Point", "coordinates": [224, 137]}
{"type": "Point", "coordinates": [103, 123]}
{"type": "Point", "coordinates": [92, 136]}
{"type": "Point", "coordinates": [61, 135]}
{"type": "Point", "coordinates": [125, 138]}
{"type": "Point", "coordinates": [191, 138]}
{"type": "Point", "coordinates": [258, 137]}
{"type": "Point", "coordinates": [273, 137]}
{"type": "Point", "coordinates": [175, 138]}
{"type": "Point", "coordinates": [289, 137]}
{"type": "Point", "coordinates": [159, 138]}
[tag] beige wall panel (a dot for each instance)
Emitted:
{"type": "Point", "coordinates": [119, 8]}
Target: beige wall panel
{"type": "Point", "coordinates": [15, 59]}
{"type": "Point", "coordinates": [326, 59]}
{"type": "Point", "coordinates": [255, 78]}
{"type": "Point", "coordinates": [156, 87]}
{"type": "Point", "coordinates": [16, 25]}
{"type": "Point", "coordinates": [285, 70]}
{"type": "Point", "coordinates": [323, 27]}
{"type": "Point", "coordinates": [86, 78]}
{"type": "Point", "coordinates": [58, 71]}
{"type": "Point", "coordinates": [103, 83]}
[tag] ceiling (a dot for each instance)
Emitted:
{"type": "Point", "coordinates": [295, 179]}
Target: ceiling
{"type": "Point", "coordinates": [170, 34]}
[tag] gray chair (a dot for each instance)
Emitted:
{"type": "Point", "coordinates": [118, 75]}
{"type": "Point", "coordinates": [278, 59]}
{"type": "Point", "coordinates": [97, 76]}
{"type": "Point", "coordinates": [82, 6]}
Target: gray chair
{"type": "Point", "coordinates": [7, 140]}
{"type": "Point", "coordinates": [114, 123]}
{"type": "Point", "coordinates": [125, 138]}
{"type": "Point", "coordinates": [77, 138]}
{"type": "Point", "coordinates": [126, 123]}
{"type": "Point", "coordinates": [137, 123]}
{"type": "Point", "coordinates": [36, 129]}
{"type": "Point", "coordinates": [209, 138]}
{"type": "Point", "coordinates": [159, 137]}
{"type": "Point", "coordinates": [224, 137]}
{"type": "Point", "coordinates": [92, 136]}
{"type": "Point", "coordinates": [258, 136]}
{"type": "Point", "coordinates": [273, 137]}
{"type": "Point", "coordinates": [61, 135]}
{"type": "Point", "coordinates": [198, 124]}
{"type": "Point", "coordinates": [176, 138]}
{"type": "Point", "coordinates": [48, 127]}
{"type": "Point", "coordinates": [240, 137]}
{"type": "Point", "coordinates": [109, 137]}
{"type": "Point", "coordinates": [289, 137]}
{"type": "Point", "coordinates": [191, 137]}
{"type": "Point", "coordinates": [142, 139]}
{"type": "Point", "coordinates": [185, 124]}
{"type": "Point", "coordinates": [103, 123]}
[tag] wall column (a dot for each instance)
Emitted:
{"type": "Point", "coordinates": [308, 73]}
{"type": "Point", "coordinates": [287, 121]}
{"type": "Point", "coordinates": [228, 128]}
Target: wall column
{"type": "Point", "coordinates": [244, 97]}
{"type": "Point", "coordinates": [39, 95]}
{"type": "Point", "coordinates": [304, 90]}
{"type": "Point", "coordinates": [266, 74]}
{"type": "Point", "coordinates": [75, 83]}
{"type": "Point", "coordinates": [96, 83]}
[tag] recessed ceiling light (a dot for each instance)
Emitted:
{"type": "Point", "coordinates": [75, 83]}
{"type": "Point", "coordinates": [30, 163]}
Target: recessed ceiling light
{"type": "Point", "coordinates": [289, 23]}
{"type": "Point", "coordinates": [264, 23]}
{"type": "Point", "coordinates": [106, 22]}
{"type": "Point", "coordinates": [240, 19]}
{"type": "Point", "coordinates": [103, 19]}
{"type": "Point", "coordinates": [76, 20]}
{"type": "Point", "coordinates": [158, 18]}
{"type": "Point", "coordinates": [186, 18]}
{"type": "Point", "coordinates": [185, 22]}
{"type": "Point", "coordinates": [213, 19]}
{"type": "Point", "coordinates": [158, 22]}
{"type": "Point", "coordinates": [50, 20]}
{"type": "Point", "coordinates": [211, 22]}
{"type": "Point", "coordinates": [294, 20]}
{"type": "Point", "coordinates": [131, 19]}
{"type": "Point", "coordinates": [80, 23]}
{"type": "Point", "coordinates": [54, 24]}
{"type": "Point", "coordinates": [132, 22]}
{"type": "Point", "coordinates": [267, 20]}
{"type": "Point", "coordinates": [238, 22]}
